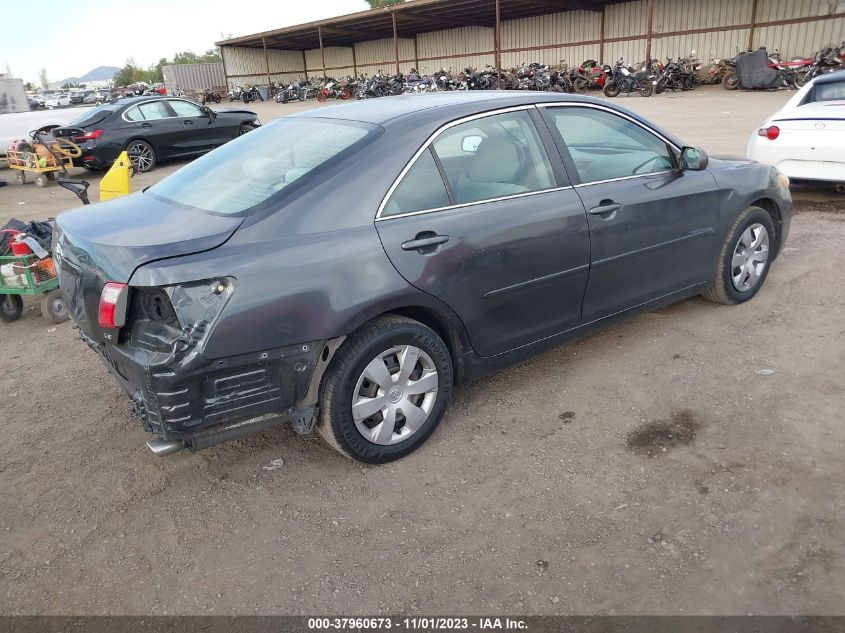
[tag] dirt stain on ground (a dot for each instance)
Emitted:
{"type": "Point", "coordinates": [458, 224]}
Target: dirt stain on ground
{"type": "Point", "coordinates": [656, 438]}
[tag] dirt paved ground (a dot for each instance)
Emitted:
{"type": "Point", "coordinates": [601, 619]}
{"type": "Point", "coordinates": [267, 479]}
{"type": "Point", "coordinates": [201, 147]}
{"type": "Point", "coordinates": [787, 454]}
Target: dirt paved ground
{"type": "Point", "coordinates": [647, 469]}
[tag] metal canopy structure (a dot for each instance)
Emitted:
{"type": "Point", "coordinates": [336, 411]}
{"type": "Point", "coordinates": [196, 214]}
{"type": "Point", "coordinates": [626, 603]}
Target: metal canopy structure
{"type": "Point", "coordinates": [407, 20]}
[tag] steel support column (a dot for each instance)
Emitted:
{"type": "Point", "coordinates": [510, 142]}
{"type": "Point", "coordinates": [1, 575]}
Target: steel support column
{"type": "Point", "coordinates": [416, 56]}
{"type": "Point", "coordinates": [753, 24]}
{"type": "Point", "coordinates": [266, 59]}
{"type": "Point", "coordinates": [305, 65]}
{"type": "Point", "coordinates": [354, 63]}
{"type": "Point", "coordinates": [322, 50]}
{"type": "Point", "coordinates": [395, 41]}
{"type": "Point", "coordinates": [498, 45]}
{"type": "Point", "coordinates": [649, 30]}
{"type": "Point", "coordinates": [601, 34]}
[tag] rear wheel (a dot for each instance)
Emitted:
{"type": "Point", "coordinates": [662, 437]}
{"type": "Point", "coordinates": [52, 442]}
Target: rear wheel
{"type": "Point", "coordinates": [580, 85]}
{"type": "Point", "coordinates": [11, 308]}
{"type": "Point", "coordinates": [20, 177]}
{"type": "Point", "coordinates": [646, 89]}
{"type": "Point", "coordinates": [142, 155]}
{"type": "Point", "coordinates": [41, 180]}
{"type": "Point", "coordinates": [53, 307]}
{"type": "Point", "coordinates": [744, 259]}
{"type": "Point", "coordinates": [730, 81]}
{"type": "Point", "coordinates": [386, 390]}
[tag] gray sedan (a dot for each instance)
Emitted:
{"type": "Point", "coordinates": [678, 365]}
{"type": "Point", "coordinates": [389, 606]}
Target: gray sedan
{"type": "Point", "coordinates": [344, 269]}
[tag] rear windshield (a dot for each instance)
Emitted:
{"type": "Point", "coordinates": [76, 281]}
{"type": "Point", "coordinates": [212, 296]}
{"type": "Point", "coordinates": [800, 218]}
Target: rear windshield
{"type": "Point", "coordinates": [94, 115]}
{"type": "Point", "coordinates": [829, 91]}
{"type": "Point", "coordinates": [252, 168]}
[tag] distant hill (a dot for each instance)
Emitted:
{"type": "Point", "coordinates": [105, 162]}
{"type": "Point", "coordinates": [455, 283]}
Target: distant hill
{"type": "Point", "coordinates": [100, 73]}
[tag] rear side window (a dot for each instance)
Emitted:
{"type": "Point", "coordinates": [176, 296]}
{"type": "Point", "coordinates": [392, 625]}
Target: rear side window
{"type": "Point", "coordinates": [147, 112]}
{"type": "Point", "coordinates": [496, 156]}
{"type": "Point", "coordinates": [421, 188]}
{"type": "Point", "coordinates": [94, 115]}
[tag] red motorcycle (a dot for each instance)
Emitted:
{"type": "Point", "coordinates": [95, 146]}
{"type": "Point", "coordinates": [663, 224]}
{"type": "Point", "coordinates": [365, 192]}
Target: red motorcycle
{"type": "Point", "coordinates": [589, 76]}
{"type": "Point", "coordinates": [795, 70]}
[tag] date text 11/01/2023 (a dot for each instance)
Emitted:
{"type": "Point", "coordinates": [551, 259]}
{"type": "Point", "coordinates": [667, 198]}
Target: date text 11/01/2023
{"type": "Point", "coordinates": [417, 624]}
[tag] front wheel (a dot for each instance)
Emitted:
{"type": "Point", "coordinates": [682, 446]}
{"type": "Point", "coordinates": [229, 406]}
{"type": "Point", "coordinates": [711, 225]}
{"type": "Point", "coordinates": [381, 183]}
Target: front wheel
{"type": "Point", "coordinates": [142, 155]}
{"type": "Point", "coordinates": [730, 81]}
{"type": "Point", "coordinates": [246, 127]}
{"type": "Point", "coordinates": [386, 390]}
{"type": "Point", "coordinates": [744, 259]}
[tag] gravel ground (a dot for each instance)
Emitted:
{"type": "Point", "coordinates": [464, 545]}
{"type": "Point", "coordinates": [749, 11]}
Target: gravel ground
{"type": "Point", "coordinates": [650, 469]}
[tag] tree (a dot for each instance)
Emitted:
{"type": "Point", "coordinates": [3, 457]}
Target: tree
{"type": "Point", "coordinates": [42, 78]}
{"type": "Point", "coordinates": [378, 4]}
{"type": "Point", "coordinates": [28, 86]}
{"type": "Point", "coordinates": [8, 70]}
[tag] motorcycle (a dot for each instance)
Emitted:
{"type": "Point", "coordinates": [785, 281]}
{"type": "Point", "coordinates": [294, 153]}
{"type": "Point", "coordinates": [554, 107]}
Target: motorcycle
{"type": "Point", "coordinates": [251, 95]}
{"type": "Point", "coordinates": [209, 96]}
{"type": "Point", "coordinates": [622, 79]}
{"type": "Point", "coordinates": [589, 76]}
{"type": "Point", "coordinates": [827, 60]}
{"type": "Point", "coordinates": [677, 75]}
{"type": "Point", "coordinates": [235, 93]}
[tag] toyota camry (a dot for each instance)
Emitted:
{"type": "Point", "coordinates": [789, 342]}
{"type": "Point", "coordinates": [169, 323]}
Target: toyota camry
{"type": "Point", "coordinates": [475, 230]}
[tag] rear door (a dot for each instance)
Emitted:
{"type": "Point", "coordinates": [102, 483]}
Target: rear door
{"type": "Point", "coordinates": [153, 122]}
{"type": "Point", "coordinates": [484, 220]}
{"type": "Point", "coordinates": [653, 231]}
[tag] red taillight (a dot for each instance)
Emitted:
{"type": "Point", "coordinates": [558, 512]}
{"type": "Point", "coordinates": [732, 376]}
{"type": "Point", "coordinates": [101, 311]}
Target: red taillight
{"type": "Point", "coordinates": [89, 136]}
{"type": "Point", "coordinates": [112, 313]}
{"type": "Point", "coordinates": [770, 133]}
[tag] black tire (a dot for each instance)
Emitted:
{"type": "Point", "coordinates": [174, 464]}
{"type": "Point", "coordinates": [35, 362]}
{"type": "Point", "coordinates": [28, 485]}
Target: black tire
{"type": "Point", "coordinates": [11, 308]}
{"type": "Point", "coordinates": [730, 81]}
{"type": "Point", "coordinates": [245, 127]}
{"type": "Point", "coordinates": [20, 176]}
{"type": "Point", "coordinates": [138, 148]}
{"type": "Point", "coordinates": [580, 85]}
{"type": "Point", "coordinates": [41, 180]}
{"type": "Point", "coordinates": [660, 87]}
{"type": "Point", "coordinates": [646, 89]}
{"type": "Point", "coordinates": [53, 307]}
{"type": "Point", "coordinates": [336, 424]}
{"type": "Point", "coordinates": [611, 89]}
{"type": "Point", "coordinates": [722, 289]}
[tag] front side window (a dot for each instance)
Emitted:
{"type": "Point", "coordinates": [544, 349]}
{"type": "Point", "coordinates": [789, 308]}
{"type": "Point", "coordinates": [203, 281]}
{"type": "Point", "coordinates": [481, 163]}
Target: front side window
{"type": "Point", "coordinates": [605, 146]}
{"type": "Point", "coordinates": [252, 168]}
{"type": "Point", "coordinates": [150, 111]}
{"type": "Point", "coordinates": [421, 188]}
{"type": "Point", "coordinates": [183, 108]}
{"type": "Point", "coordinates": [498, 155]}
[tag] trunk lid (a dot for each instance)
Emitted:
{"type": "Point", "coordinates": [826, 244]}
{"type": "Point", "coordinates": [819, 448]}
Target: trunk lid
{"type": "Point", "coordinates": [108, 241]}
{"type": "Point", "coordinates": [817, 130]}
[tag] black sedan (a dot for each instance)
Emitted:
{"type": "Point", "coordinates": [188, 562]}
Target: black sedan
{"type": "Point", "coordinates": [153, 129]}
{"type": "Point", "coordinates": [344, 268]}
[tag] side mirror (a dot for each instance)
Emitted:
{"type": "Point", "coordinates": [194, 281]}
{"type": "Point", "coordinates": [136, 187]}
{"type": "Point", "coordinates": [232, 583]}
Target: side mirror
{"type": "Point", "coordinates": [694, 159]}
{"type": "Point", "coordinates": [208, 112]}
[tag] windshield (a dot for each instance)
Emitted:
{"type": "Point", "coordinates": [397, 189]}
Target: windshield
{"type": "Point", "coordinates": [250, 169]}
{"type": "Point", "coordinates": [94, 115]}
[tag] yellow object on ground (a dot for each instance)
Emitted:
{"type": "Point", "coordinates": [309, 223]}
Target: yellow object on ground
{"type": "Point", "coordinates": [116, 182]}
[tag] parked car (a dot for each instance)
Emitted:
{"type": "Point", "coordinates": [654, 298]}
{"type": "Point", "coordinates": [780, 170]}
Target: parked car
{"type": "Point", "coordinates": [60, 100]}
{"type": "Point", "coordinates": [77, 96]}
{"type": "Point", "coordinates": [153, 129]}
{"type": "Point", "coordinates": [96, 97]}
{"type": "Point", "coordinates": [484, 228]}
{"type": "Point", "coordinates": [805, 138]}
{"type": "Point", "coordinates": [18, 125]}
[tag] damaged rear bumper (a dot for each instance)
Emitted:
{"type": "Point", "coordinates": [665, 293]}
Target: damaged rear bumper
{"type": "Point", "coordinates": [195, 402]}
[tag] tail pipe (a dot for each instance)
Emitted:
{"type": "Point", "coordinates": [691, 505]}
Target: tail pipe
{"type": "Point", "coordinates": [161, 448]}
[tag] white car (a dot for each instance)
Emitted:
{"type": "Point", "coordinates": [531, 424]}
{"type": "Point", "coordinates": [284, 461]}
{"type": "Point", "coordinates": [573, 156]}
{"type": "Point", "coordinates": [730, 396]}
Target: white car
{"type": "Point", "coordinates": [805, 140]}
{"type": "Point", "coordinates": [57, 101]}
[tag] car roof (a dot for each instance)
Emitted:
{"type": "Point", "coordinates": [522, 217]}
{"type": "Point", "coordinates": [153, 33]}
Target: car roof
{"type": "Point", "coordinates": [452, 103]}
{"type": "Point", "coordinates": [830, 78]}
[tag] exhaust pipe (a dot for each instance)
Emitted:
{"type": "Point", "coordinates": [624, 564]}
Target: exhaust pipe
{"type": "Point", "coordinates": [840, 188]}
{"type": "Point", "coordinates": [160, 448]}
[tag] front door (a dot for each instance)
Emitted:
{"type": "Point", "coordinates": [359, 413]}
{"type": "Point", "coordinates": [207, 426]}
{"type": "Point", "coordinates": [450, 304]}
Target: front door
{"type": "Point", "coordinates": [198, 133]}
{"type": "Point", "coordinates": [653, 230]}
{"type": "Point", "coordinates": [482, 222]}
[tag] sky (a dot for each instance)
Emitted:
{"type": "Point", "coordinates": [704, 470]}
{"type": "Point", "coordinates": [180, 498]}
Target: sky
{"type": "Point", "coordinates": [71, 38]}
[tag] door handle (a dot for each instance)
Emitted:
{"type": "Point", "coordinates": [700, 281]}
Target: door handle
{"type": "Point", "coordinates": [606, 208]}
{"type": "Point", "coordinates": [188, 122]}
{"type": "Point", "coordinates": [425, 242]}
{"type": "Point", "coordinates": [146, 124]}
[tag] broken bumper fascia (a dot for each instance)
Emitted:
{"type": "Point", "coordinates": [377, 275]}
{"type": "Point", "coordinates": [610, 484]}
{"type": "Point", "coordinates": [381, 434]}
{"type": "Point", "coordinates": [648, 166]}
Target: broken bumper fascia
{"type": "Point", "coordinates": [202, 401]}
